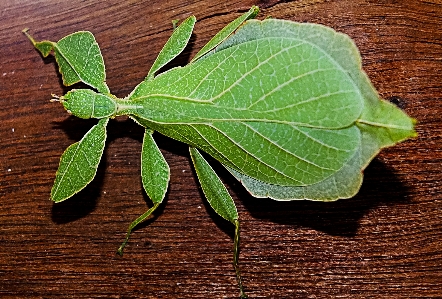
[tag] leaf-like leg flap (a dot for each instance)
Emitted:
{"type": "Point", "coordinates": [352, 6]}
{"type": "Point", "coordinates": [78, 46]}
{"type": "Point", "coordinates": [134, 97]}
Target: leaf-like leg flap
{"type": "Point", "coordinates": [214, 190]}
{"type": "Point", "coordinates": [79, 59]}
{"type": "Point", "coordinates": [220, 200]}
{"type": "Point", "coordinates": [155, 175]}
{"type": "Point", "coordinates": [174, 45]}
{"type": "Point", "coordinates": [79, 163]}
{"type": "Point", "coordinates": [155, 172]}
{"type": "Point", "coordinates": [226, 32]}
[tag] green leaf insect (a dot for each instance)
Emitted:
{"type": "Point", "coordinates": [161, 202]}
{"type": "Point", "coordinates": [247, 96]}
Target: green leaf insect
{"type": "Point", "coordinates": [284, 106]}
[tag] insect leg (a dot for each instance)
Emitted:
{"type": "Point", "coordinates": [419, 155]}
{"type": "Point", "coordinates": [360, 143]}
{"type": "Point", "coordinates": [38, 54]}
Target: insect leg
{"type": "Point", "coordinates": [226, 32]}
{"type": "Point", "coordinates": [174, 45]}
{"type": "Point", "coordinates": [134, 224]}
{"type": "Point", "coordinates": [155, 176]}
{"type": "Point", "coordinates": [221, 201]}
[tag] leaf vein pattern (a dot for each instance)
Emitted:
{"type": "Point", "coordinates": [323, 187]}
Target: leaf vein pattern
{"type": "Point", "coordinates": [87, 159]}
{"type": "Point", "coordinates": [254, 157]}
{"type": "Point", "coordinates": [211, 72]}
{"type": "Point", "coordinates": [317, 140]}
{"type": "Point", "coordinates": [214, 148]}
{"type": "Point", "coordinates": [331, 58]}
{"type": "Point", "coordinates": [71, 66]}
{"type": "Point", "coordinates": [77, 145]}
{"type": "Point", "coordinates": [286, 151]}
{"type": "Point", "coordinates": [86, 62]}
{"type": "Point", "coordinates": [77, 53]}
{"type": "Point", "coordinates": [80, 173]}
{"type": "Point", "coordinates": [280, 86]}
{"type": "Point", "coordinates": [237, 82]}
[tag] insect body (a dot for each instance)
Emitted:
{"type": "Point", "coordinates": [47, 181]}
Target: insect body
{"type": "Point", "coordinates": [285, 107]}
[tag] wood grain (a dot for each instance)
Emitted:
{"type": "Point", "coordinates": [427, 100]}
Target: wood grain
{"type": "Point", "coordinates": [383, 243]}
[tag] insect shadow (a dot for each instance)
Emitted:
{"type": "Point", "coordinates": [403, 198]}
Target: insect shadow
{"type": "Point", "coordinates": [381, 187]}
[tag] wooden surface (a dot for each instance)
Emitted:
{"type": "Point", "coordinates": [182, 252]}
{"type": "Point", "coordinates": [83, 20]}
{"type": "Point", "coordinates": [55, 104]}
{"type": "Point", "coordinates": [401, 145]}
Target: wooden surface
{"type": "Point", "coordinates": [383, 243]}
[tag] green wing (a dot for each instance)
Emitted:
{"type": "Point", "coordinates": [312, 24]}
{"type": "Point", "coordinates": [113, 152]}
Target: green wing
{"type": "Point", "coordinates": [280, 102]}
{"type": "Point", "coordinates": [381, 124]}
{"type": "Point", "coordinates": [284, 116]}
{"type": "Point", "coordinates": [345, 183]}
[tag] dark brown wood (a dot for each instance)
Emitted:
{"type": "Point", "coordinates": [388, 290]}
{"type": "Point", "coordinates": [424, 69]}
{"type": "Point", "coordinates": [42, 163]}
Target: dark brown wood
{"type": "Point", "coordinates": [383, 243]}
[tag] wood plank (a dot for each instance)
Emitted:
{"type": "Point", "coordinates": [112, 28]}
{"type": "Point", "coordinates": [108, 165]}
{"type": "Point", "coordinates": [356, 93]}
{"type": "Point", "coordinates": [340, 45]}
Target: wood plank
{"type": "Point", "coordinates": [383, 243]}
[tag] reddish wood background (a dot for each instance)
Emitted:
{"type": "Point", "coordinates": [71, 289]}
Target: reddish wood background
{"type": "Point", "coordinates": [383, 243]}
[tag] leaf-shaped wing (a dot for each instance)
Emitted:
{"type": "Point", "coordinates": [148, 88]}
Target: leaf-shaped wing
{"type": "Point", "coordinates": [381, 125]}
{"type": "Point", "coordinates": [344, 183]}
{"type": "Point", "coordinates": [282, 80]}
{"type": "Point", "coordinates": [277, 109]}
{"type": "Point", "coordinates": [79, 163]}
{"type": "Point", "coordinates": [281, 102]}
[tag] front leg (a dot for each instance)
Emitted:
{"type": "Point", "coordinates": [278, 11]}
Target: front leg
{"type": "Point", "coordinates": [78, 57]}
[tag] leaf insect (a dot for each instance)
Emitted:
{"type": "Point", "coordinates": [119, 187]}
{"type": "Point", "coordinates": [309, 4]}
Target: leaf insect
{"type": "Point", "coordinates": [284, 106]}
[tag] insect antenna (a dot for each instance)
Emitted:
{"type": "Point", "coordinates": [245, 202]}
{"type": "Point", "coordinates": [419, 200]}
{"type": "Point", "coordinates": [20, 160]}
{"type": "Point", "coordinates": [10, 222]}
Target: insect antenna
{"type": "Point", "coordinates": [56, 98]}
